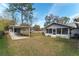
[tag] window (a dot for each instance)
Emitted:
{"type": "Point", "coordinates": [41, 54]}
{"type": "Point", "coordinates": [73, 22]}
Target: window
{"type": "Point", "coordinates": [64, 30]}
{"type": "Point", "coordinates": [50, 30]}
{"type": "Point", "coordinates": [58, 30]}
{"type": "Point", "coordinates": [54, 31]}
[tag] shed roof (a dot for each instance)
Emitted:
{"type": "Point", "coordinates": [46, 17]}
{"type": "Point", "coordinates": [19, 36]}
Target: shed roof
{"type": "Point", "coordinates": [19, 26]}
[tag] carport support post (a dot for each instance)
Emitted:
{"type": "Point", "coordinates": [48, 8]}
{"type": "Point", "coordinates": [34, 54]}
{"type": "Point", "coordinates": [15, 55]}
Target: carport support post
{"type": "Point", "coordinates": [29, 32]}
{"type": "Point", "coordinates": [56, 31]}
{"type": "Point", "coordinates": [61, 31]}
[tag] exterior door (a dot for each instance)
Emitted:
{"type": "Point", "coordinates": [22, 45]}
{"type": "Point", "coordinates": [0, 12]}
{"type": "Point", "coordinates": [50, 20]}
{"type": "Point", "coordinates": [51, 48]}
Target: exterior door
{"type": "Point", "coordinates": [54, 31]}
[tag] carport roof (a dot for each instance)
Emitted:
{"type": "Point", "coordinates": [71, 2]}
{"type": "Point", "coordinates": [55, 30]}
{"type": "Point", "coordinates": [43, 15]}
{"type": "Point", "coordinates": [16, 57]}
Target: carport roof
{"type": "Point", "coordinates": [19, 26]}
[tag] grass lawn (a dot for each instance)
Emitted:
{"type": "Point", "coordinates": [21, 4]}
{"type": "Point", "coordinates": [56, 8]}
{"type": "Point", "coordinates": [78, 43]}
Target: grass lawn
{"type": "Point", "coordinates": [3, 46]}
{"type": "Point", "coordinates": [38, 45]}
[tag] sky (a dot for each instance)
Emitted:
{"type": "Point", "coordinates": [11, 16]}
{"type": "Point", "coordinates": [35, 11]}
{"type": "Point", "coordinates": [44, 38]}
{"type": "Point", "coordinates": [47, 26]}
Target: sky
{"type": "Point", "coordinates": [59, 9]}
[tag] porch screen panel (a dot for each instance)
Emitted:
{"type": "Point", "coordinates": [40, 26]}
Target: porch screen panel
{"type": "Point", "coordinates": [50, 30]}
{"type": "Point", "coordinates": [64, 30]}
{"type": "Point", "coordinates": [58, 30]}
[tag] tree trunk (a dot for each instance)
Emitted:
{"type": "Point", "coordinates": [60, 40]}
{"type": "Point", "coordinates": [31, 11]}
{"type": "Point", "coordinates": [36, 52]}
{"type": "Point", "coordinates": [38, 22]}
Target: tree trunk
{"type": "Point", "coordinates": [13, 16]}
{"type": "Point", "coordinates": [22, 16]}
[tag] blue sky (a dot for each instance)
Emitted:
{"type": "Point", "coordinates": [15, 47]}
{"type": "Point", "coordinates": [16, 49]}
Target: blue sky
{"type": "Point", "coordinates": [59, 9]}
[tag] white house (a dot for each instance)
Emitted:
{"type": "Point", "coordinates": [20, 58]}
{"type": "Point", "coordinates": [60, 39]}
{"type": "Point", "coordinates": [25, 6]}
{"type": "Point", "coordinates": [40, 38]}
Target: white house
{"type": "Point", "coordinates": [61, 30]}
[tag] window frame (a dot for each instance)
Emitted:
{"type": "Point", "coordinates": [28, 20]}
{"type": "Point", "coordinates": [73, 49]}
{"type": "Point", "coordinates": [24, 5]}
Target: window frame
{"type": "Point", "coordinates": [50, 31]}
{"type": "Point", "coordinates": [65, 32]}
{"type": "Point", "coordinates": [59, 29]}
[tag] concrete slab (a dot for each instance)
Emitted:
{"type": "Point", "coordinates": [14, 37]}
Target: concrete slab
{"type": "Point", "coordinates": [15, 37]}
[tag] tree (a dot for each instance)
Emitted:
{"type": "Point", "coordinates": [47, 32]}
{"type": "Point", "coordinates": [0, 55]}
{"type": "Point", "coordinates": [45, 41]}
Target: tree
{"type": "Point", "coordinates": [25, 9]}
{"type": "Point", "coordinates": [48, 20]}
{"type": "Point", "coordinates": [26, 12]}
{"type": "Point", "coordinates": [12, 9]}
{"type": "Point", "coordinates": [4, 23]}
{"type": "Point", "coordinates": [36, 27]}
{"type": "Point", "coordinates": [65, 19]}
{"type": "Point", "coordinates": [76, 20]}
{"type": "Point", "coordinates": [51, 19]}
{"type": "Point", "coordinates": [55, 19]}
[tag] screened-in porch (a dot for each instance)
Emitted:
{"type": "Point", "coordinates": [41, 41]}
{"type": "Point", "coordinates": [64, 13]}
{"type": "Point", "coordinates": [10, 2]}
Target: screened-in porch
{"type": "Point", "coordinates": [58, 31]}
{"type": "Point", "coordinates": [63, 32]}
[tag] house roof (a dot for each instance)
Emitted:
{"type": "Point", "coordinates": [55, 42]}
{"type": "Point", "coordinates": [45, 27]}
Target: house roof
{"type": "Point", "coordinates": [72, 25]}
{"type": "Point", "coordinates": [66, 25]}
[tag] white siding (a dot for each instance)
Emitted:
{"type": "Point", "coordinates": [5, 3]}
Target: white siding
{"type": "Point", "coordinates": [58, 35]}
{"type": "Point", "coordinates": [47, 34]}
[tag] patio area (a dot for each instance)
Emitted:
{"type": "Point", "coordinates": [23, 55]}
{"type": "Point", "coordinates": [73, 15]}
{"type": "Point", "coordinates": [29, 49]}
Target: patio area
{"type": "Point", "coordinates": [16, 37]}
{"type": "Point", "coordinates": [19, 32]}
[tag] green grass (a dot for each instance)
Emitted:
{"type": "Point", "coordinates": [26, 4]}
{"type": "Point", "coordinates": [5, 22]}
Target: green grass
{"type": "Point", "coordinates": [38, 45]}
{"type": "Point", "coordinates": [70, 47]}
{"type": "Point", "coordinates": [3, 46]}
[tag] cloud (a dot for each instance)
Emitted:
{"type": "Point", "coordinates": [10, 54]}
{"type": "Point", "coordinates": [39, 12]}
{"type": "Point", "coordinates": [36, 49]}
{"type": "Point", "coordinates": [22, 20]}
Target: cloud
{"type": "Point", "coordinates": [4, 5]}
{"type": "Point", "coordinates": [61, 9]}
{"type": "Point", "coordinates": [37, 18]}
{"type": "Point", "coordinates": [75, 15]}
{"type": "Point", "coordinates": [56, 8]}
{"type": "Point", "coordinates": [51, 10]}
